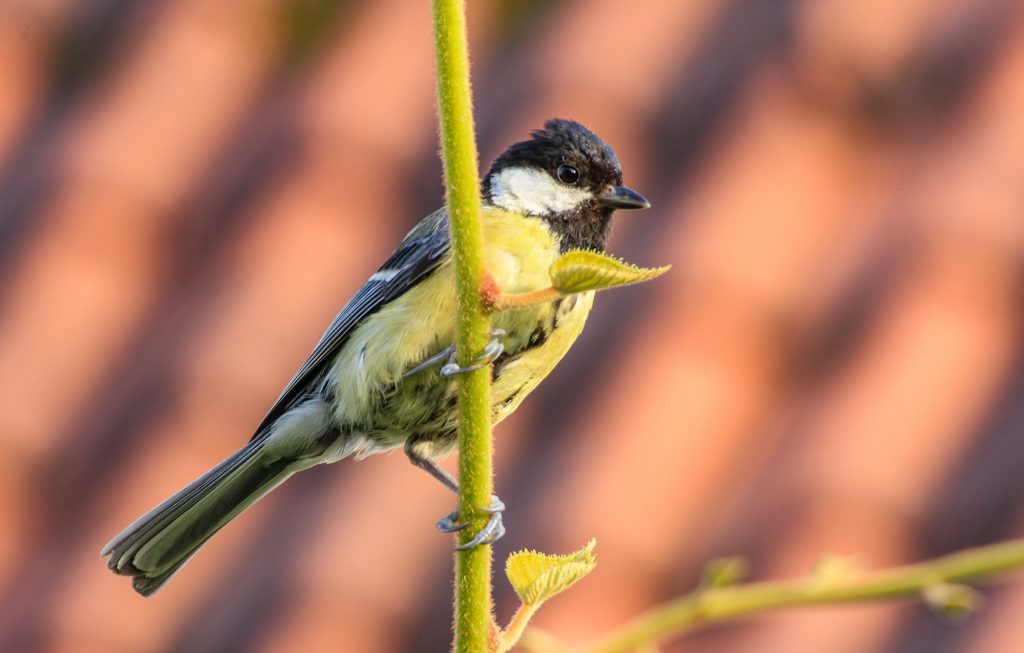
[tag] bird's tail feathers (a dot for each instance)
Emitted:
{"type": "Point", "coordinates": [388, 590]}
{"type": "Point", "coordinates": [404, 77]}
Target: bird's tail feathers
{"type": "Point", "coordinates": [156, 545]}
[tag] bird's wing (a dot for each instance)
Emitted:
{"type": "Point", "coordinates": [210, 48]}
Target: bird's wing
{"type": "Point", "coordinates": [420, 253]}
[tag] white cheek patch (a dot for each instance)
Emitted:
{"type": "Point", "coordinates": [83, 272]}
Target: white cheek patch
{"type": "Point", "coordinates": [534, 192]}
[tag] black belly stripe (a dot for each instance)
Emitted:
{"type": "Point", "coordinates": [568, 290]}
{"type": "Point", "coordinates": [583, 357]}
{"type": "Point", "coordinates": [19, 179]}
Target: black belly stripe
{"type": "Point", "coordinates": [540, 334]}
{"type": "Point", "coordinates": [562, 308]}
{"type": "Point", "coordinates": [499, 363]}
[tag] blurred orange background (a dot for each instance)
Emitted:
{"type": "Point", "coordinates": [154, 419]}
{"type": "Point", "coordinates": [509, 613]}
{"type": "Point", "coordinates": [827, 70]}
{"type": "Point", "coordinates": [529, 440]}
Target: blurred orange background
{"type": "Point", "coordinates": [189, 190]}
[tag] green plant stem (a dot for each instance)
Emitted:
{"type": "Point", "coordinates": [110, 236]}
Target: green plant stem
{"type": "Point", "coordinates": [721, 604]}
{"type": "Point", "coordinates": [473, 603]}
{"type": "Point", "coordinates": [503, 302]}
{"type": "Point", "coordinates": [508, 637]}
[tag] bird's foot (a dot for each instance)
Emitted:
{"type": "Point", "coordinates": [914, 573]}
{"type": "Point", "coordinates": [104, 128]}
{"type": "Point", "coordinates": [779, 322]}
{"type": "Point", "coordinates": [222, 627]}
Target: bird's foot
{"type": "Point", "coordinates": [490, 533]}
{"type": "Point", "coordinates": [451, 368]}
{"type": "Point", "coordinates": [443, 355]}
{"type": "Point", "coordinates": [493, 349]}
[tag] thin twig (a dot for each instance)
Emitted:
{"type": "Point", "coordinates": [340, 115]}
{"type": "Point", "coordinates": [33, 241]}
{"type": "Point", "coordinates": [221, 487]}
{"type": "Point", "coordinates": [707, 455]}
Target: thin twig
{"type": "Point", "coordinates": [708, 606]}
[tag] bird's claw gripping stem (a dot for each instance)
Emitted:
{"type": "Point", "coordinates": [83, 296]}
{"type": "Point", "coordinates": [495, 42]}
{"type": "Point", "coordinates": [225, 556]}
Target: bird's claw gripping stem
{"type": "Point", "coordinates": [491, 352]}
{"type": "Point", "coordinates": [489, 534]}
{"type": "Point", "coordinates": [451, 368]}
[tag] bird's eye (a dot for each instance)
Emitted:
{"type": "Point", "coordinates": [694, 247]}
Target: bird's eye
{"type": "Point", "coordinates": [568, 174]}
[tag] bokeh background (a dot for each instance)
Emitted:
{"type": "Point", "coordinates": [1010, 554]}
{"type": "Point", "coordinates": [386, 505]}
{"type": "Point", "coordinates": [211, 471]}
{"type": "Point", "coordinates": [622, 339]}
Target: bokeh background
{"type": "Point", "coordinates": [190, 189]}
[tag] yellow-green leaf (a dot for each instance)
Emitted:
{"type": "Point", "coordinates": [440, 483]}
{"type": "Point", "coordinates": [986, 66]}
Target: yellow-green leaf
{"type": "Point", "coordinates": [537, 577]}
{"type": "Point", "coordinates": [581, 270]}
{"type": "Point", "coordinates": [953, 601]}
{"type": "Point", "coordinates": [724, 572]}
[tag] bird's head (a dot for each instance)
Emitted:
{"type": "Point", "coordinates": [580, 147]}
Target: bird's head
{"type": "Point", "coordinates": [566, 175]}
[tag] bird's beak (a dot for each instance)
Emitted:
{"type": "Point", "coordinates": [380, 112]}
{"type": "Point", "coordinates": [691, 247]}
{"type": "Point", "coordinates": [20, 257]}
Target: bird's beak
{"type": "Point", "coordinates": [620, 197]}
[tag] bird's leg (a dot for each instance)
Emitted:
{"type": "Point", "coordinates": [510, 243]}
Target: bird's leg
{"type": "Point", "coordinates": [443, 355]}
{"type": "Point", "coordinates": [493, 349]}
{"type": "Point", "coordinates": [491, 531]}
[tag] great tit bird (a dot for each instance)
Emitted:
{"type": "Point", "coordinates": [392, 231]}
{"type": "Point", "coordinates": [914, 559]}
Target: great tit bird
{"type": "Point", "coordinates": [381, 376]}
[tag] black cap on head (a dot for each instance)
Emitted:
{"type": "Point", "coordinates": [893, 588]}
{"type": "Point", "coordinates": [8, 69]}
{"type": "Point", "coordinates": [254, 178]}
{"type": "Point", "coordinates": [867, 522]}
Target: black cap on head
{"type": "Point", "coordinates": [567, 176]}
{"type": "Point", "coordinates": [564, 142]}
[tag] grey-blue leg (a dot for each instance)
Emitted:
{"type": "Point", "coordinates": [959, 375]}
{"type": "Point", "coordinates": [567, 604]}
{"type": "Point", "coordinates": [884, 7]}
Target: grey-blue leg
{"type": "Point", "coordinates": [491, 352]}
{"type": "Point", "coordinates": [444, 355]}
{"type": "Point", "coordinates": [491, 531]}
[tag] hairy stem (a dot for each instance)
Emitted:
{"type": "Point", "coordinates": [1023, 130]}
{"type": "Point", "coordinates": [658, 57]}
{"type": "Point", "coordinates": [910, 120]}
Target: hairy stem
{"type": "Point", "coordinates": [510, 636]}
{"type": "Point", "coordinates": [473, 603]}
{"type": "Point", "coordinates": [710, 606]}
{"type": "Point", "coordinates": [503, 302]}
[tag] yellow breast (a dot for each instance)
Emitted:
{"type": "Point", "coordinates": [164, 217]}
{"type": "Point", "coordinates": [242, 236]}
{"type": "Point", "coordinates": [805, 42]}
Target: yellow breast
{"type": "Point", "coordinates": [520, 252]}
{"type": "Point", "coordinates": [518, 255]}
